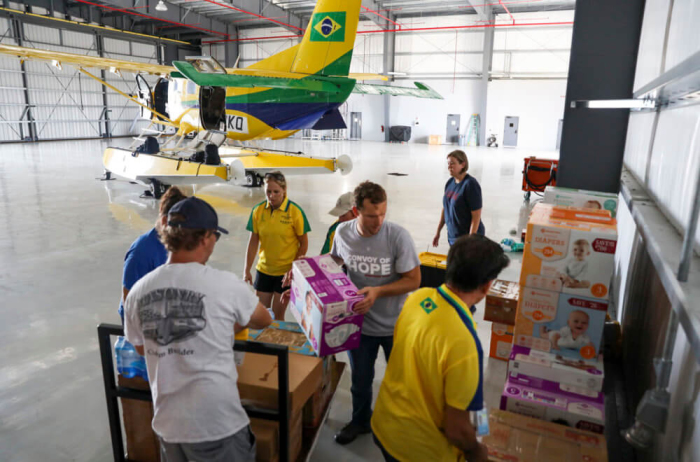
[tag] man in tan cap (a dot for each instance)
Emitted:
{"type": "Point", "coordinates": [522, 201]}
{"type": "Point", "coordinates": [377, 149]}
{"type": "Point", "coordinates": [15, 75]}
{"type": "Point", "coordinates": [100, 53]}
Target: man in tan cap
{"type": "Point", "coordinates": [344, 211]}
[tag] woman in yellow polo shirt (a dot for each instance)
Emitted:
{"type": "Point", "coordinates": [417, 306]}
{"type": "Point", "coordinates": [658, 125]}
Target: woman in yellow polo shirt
{"type": "Point", "coordinates": [278, 227]}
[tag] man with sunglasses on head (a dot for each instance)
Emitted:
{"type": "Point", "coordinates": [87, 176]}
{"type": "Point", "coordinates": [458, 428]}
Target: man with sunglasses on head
{"type": "Point", "coordinates": [183, 317]}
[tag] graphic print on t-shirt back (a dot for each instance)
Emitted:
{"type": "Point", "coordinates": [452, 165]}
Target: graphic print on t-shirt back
{"type": "Point", "coordinates": [171, 315]}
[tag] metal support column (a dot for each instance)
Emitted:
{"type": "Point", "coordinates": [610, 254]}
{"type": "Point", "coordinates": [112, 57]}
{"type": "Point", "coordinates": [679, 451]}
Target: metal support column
{"type": "Point", "coordinates": [104, 116]}
{"type": "Point", "coordinates": [18, 31]}
{"type": "Point", "coordinates": [593, 142]}
{"type": "Point", "coordinates": [389, 58]}
{"type": "Point", "coordinates": [171, 53]}
{"type": "Point", "coordinates": [231, 50]}
{"type": "Point", "coordinates": [487, 59]}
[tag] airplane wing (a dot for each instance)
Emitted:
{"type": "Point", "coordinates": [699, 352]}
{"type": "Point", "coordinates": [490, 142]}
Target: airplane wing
{"type": "Point", "coordinates": [84, 61]}
{"type": "Point", "coordinates": [421, 90]}
{"type": "Point", "coordinates": [365, 76]}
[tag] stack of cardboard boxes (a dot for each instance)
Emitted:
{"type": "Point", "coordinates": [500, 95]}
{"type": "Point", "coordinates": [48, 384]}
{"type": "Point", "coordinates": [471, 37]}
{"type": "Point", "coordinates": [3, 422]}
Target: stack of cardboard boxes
{"type": "Point", "coordinates": [311, 385]}
{"type": "Point", "coordinates": [322, 301]}
{"type": "Point", "coordinates": [501, 307]}
{"type": "Point", "coordinates": [555, 370]}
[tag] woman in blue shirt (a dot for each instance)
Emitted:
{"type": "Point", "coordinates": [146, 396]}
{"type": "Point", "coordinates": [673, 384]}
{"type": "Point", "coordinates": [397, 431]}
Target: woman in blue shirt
{"type": "Point", "coordinates": [147, 252]}
{"type": "Point", "coordinates": [461, 204]}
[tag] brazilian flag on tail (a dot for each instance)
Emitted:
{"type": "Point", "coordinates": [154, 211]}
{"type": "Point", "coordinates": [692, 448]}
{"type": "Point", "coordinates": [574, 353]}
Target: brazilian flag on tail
{"type": "Point", "coordinates": [328, 27]}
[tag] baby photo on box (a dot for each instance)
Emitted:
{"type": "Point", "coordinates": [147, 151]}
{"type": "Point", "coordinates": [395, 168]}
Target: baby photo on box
{"type": "Point", "coordinates": [322, 301]}
{"type": "Point", "coordinates": [560, 323]}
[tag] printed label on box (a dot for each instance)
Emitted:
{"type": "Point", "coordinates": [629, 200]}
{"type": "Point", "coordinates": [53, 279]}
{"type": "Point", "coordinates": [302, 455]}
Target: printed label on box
{"type": "Point", "coordinates": [546, 400]}
{"type": "Point", "coordinates": [539, 305]}
{"type": "Point", "coordinates": [568, 256]}
{"type": "Point", "coordinates": [575, 376]}
{"type": "Point", "coordinates": [567, 325]}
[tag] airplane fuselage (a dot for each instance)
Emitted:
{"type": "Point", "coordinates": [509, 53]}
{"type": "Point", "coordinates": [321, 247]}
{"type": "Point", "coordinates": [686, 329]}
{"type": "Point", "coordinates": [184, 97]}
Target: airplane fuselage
{"type": "Point", "coordinates": [257, 113]}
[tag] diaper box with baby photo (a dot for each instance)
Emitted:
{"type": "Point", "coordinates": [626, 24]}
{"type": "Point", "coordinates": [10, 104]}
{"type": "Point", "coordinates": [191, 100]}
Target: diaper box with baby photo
{"type": "Point", "coordinates": [581, 198]}
{"type": "Point", "coordinates": [574, 257]}
{"type": "Point", "coordinates": [559, 323]}
{"type": "Point", "coordinates": [556, 368]}
{"type": "Point", "coordinates": [554, 402]}
{"type": "Point", "coordinates": [322, 301]}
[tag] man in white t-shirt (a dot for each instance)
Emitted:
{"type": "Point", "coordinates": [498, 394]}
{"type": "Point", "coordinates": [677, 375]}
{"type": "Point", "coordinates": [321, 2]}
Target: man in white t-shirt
{"type": "Point", "coordinates": [183, 317]}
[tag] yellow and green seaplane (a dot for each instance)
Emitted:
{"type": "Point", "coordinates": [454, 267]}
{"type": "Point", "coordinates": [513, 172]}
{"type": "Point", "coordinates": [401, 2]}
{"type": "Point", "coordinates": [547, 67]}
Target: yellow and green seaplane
{"type": "Point", "coordinates": [201, 112]}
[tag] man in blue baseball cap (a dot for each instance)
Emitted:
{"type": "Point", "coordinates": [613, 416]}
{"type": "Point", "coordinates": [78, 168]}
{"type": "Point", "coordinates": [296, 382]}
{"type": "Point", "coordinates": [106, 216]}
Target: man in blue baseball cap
{"type": "Point", "coordinates": [183, 316]}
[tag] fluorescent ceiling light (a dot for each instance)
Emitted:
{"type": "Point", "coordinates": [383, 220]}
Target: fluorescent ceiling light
{"type": "Point", "coordinates": [615, 104]}
{"type": "Point", "coordinates": [161, 6]}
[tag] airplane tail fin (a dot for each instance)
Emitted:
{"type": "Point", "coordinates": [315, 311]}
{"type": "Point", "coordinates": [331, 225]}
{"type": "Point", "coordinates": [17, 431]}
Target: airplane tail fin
{"type": "Point", "coordinates": [326, 48]}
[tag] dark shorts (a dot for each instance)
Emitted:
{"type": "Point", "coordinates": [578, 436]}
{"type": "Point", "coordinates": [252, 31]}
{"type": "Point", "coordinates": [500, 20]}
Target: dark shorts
{"type": "Point", "coordinates": [266, 283]}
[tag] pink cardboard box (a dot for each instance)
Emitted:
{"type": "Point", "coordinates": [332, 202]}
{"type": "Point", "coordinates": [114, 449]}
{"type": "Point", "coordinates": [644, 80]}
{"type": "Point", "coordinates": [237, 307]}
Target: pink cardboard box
{"type": "Point", "coordinates": [556, 368]}
{"type": "Point", "coordinates": [322, 301]}
{"type": "Point", "coordinates": [554, 402]}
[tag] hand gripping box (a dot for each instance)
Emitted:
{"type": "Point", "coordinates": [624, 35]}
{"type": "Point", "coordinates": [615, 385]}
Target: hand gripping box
{"type": "Point", "coordinates": [322, 300]}
{"type": "Point", "coordinates": [574, 257]}
{"type": "Point", "coordinates": [502, 302]}
{"type": "Point", "coordinates": [556, 368]}
{"type": "Point", "coordinates": [554, 402]}
{"type": "Point", "coordinates": [581, 198]}
{"type": "Point", "coordinates": [564, 324]}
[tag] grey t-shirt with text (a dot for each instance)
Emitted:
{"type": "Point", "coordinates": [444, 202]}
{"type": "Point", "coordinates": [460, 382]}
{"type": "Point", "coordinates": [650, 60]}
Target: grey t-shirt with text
{"type": "Point", "coordinates": [376, 261]}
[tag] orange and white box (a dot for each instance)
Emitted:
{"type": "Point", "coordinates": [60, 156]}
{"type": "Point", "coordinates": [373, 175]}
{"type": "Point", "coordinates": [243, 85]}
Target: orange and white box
{"type": "Point", "coordinates": [501, 341]}
{"type": "Point", "coordinates": [569, 256]}
{"type": "Point", "coordinates": [569, 213]}
{"type": "Point", "coordinates": [559, 323]}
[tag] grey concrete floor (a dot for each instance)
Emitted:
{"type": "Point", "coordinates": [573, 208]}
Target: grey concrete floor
{"type": "Point", "coordinates": [63, 235]}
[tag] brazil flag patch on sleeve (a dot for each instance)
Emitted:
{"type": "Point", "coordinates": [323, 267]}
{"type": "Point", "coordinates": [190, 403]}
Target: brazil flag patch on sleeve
{"type": "Point", "coordinates": [328, 27]}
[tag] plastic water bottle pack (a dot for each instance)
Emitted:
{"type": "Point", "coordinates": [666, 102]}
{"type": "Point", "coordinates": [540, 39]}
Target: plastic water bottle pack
{"type": "Point", "coordinates": [130, 363]}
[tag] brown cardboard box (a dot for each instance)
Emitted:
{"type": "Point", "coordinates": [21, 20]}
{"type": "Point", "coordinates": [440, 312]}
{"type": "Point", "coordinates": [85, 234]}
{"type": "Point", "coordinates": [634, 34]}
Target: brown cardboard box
{"type": "Point", "coordinates": [502, 302]}
{"type": "Point", "coordinates": [141, 441]}
{"type": "Point", "coordinates": [501, 341]}
{"type": "Point", "coordinates": [267, 438]}
{"type": "Point", "coordinates": [516, 438]}
{"type": "Point", "coordinates": [315, 408]}
{"type": "Point", "coordinates": [257, 380]}
{"type": "Point", "coordinates": [435, 139]}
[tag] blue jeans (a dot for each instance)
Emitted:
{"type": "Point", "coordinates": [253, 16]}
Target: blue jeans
{"type": "Point", "coordinates": [362, 361]}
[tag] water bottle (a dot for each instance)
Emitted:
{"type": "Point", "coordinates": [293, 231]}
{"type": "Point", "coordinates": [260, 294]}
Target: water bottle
{"type": "Point", "coordinates": [130, 363]}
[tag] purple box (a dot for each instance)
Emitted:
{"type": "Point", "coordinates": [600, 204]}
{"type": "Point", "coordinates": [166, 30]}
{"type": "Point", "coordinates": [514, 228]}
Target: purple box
{"type": "Point", "coordinates": [322, 302]}
{"type": "Point", "coordinates": [554, 402]}
{"type": "Point", "coordinates": [556, 368]}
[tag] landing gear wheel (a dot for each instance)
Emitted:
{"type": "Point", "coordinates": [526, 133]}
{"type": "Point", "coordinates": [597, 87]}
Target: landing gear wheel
{"type": "Point", "coordinates": [253, 180]}
{"type": "Point", "coordinates": [158, 189]}
{"type": "Point", "coordinates": [107, 176]}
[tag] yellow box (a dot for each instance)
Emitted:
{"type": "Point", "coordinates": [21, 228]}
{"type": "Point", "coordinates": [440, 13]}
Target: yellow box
{"type": "Point", "coordinates": [501, 341]}
{"type": "Point", "coordinates": [435, 139]}
{"type": "Point", "coordinates": [569, 256]}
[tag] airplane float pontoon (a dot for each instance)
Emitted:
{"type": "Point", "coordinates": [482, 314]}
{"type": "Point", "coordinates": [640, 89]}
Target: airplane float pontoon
{"type": "Point", "coordinates": [198, 103]}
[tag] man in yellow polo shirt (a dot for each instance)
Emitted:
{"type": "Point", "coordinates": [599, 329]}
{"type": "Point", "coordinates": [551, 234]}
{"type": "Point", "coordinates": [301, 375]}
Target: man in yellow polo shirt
{"type": "Point", "coordinates": [434, 375]}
